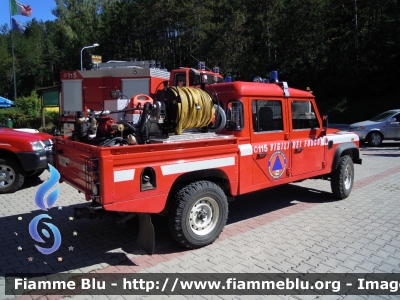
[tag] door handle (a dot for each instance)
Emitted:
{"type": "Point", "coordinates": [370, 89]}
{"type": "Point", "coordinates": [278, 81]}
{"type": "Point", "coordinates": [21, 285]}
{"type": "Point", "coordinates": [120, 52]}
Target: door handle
{"type": "Point", "coordinates": [263, 154]}
{"type": "Point", "coordinates": [298, 150]}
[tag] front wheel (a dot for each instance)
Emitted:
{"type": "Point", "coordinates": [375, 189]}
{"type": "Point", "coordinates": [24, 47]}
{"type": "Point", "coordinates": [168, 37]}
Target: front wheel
{"type": "Point", "coordinates": [11, 176]}
{"type": "Point", "coordinates": [198, 214]}
{"type": "Point", "coordinates": [375, 139]}
{"type": "Point", "coordinates": [343, 177]}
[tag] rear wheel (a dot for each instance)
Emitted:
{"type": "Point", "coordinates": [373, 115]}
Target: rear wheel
{"type": "Point", "coordinates": [11, 176]}
{"type": "Point", "coordinates": [343, 177]}
{"type": "Point", "coordinates": [198, 214]}
{"type": "Point", "coordinates": [375, 139]}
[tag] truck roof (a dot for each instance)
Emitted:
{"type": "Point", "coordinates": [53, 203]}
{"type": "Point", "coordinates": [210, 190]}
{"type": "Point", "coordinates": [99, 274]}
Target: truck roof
{"type": "Point", "coordinates": [114, 72]}
{"type": "Point", "coordinates": [242, 89]}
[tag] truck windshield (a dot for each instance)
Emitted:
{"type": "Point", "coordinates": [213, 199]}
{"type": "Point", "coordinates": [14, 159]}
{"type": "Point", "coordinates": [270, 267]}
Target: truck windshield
{"type": "Point", "coordinates": [180, 80]}
{"type": "Point", "coordinates": [383, 116]}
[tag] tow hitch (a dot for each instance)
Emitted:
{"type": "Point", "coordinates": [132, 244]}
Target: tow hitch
{"type": "Point", "coordinates": [91, 212]}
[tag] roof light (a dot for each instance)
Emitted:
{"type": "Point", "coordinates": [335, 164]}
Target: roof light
{"type": "Point", "coordinates": [202, 65]}
{"type": "Point", "coordinates": [216, 70]}
{"type": "Point", "coordinates": [273, 76]}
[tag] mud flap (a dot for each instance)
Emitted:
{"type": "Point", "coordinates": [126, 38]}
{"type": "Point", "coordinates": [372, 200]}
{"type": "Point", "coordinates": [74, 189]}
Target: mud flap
{"type": "Point", "coordinates": [146, 239]}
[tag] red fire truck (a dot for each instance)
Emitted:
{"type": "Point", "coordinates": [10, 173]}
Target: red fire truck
{"type": "Point", "coordinates": [194, 149]}
{"type": "Point", "coordinates": [91, 88]}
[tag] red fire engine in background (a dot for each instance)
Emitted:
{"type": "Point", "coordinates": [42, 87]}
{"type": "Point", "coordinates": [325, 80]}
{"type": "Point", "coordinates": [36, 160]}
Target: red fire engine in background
{"type": "Point", "coordinates": [193, 149]}
{"type": "Point", "coordinates": [91, 88]}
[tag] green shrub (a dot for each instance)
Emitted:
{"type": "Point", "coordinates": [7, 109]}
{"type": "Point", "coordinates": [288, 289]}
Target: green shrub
{"type": "Point", "coordinates": [29, 105]}
{"type": "Point", "coordinates": [52, 123]}
{"type": "Point", "coordinates": [6, 113]}
{"type": "Point", "coordinates": [27, 114]}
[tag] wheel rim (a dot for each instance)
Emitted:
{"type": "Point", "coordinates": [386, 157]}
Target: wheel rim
{"type": "Point", "coordinates": [348, 177]}
{"type": "Point", "coordinates": [7, 176]}
{"type": "Point", "coordinates": [204, 215]}
{"type": "Point", "coordinates": [376, 139]}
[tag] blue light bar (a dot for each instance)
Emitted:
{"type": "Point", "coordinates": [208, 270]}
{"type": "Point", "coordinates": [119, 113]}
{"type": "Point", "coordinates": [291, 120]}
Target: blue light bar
{"type": "Point", "coordinates": [273, 76]}
{"type": "Point", "coordinates": [202, 65]}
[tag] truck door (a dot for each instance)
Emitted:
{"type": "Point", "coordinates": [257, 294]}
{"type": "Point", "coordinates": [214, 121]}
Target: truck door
{"type": "Point", "coordinates": [271, 151]}
{"type": "Point", "coordinates": [307, 146]}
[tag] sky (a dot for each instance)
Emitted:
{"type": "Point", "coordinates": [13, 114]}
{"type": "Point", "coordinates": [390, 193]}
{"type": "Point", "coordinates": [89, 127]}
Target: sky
{"type": "Point", "coordinates": [41, 10]}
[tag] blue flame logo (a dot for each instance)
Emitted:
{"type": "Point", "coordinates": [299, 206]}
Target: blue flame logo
{"type": "Point", "coordinates": [39, 201]}
{"type": "Point", "coordinates": [35, 235]}
{"type": "Point", "coordinates": [45, 187]}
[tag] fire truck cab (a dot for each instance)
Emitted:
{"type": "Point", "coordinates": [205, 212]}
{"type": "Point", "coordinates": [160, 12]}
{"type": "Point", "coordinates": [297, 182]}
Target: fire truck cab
{"type": "Point", "coordinates": [193, 77]}
{"type": "Point", "coordinates": [172, 162]}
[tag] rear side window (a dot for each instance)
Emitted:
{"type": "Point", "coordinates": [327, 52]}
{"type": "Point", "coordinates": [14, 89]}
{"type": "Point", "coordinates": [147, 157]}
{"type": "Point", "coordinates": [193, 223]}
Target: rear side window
{"type": "Point", "coordinates": [267, 115]}
{"type": "Point", "coordinates": [397, 117]}
{"type": "Point", "coordinates": [303, 115]}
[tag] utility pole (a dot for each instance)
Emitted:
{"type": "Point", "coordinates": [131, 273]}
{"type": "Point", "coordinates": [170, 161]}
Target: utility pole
{"type": "Point", "coordinates": [12, 51]}
{"type": "Point", "coordinates": [355, 22]}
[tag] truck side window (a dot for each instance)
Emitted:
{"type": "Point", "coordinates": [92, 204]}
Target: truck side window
{"type": "Point", "coordinates": [267, 115]}
{"type": "Point", "coordinates": [234, 115]}
{"type": "Point", "coordinates": [303, 115]}
{"type": "Point", "coordinates": [180, 80]}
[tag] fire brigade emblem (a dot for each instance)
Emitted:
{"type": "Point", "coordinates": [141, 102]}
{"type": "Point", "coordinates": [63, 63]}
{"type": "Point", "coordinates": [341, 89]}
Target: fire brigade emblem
{"type": "Point", "coordinates": [277, 164]}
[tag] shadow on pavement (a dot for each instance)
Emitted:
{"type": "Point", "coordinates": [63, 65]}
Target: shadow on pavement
{"type": "Point", "coordinates": [31, 182]}
{"type": "Point", "coordinates": [383, 154]}
{"type": "Point", "coordinates": [393, 145]}
{"type": "Point", "coordinates": [269, 200]}
{"type": "Point", "coordinates": [100, 241]}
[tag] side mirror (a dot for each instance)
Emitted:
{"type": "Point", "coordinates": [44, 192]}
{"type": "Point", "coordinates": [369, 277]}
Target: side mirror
{"type": "Point", "coordinates": [392, 120]}
{"type": "Point", "coordinates": [325, 121]}
{"type": "Point", "coordinates": [324, 124]}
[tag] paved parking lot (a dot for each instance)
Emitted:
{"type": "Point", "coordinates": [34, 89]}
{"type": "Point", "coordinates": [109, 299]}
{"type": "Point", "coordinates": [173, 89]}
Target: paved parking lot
{"type": "Point", "coordinates": [293, 228]}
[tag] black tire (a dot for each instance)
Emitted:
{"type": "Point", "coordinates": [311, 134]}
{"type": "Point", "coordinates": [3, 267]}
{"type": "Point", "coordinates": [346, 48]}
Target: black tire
{"type": "Point", "coordinates": [11, 176]}
{"type": "Point", "coordinates": [198, 204]}
{"type": "Point", "coordinates": [342, 178]}
{"type": "Point", "coordinates": [34, 174]}
{"type": "Point", "coordinates": [220, 119]}
{"type": "Point", "coordinates": [375, 139]}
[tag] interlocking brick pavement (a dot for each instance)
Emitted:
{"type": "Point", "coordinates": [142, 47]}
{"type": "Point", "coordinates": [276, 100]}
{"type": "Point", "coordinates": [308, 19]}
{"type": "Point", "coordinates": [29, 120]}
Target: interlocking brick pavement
{"type": "Point", "coordinates": [295, 228]}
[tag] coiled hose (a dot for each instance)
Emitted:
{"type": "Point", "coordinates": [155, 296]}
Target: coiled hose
{"type": "Point", "coordinates": [195, 110]}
